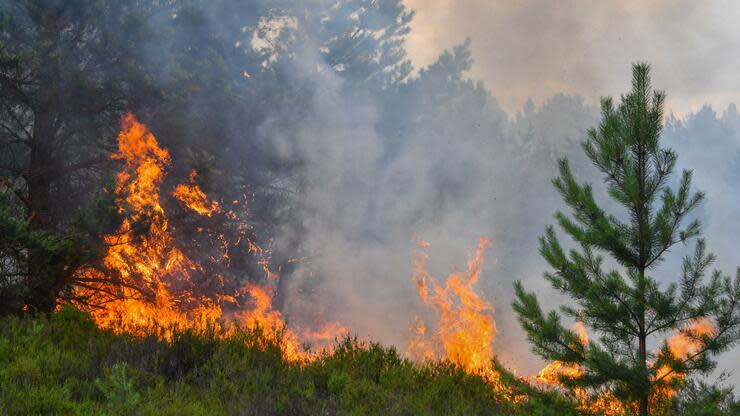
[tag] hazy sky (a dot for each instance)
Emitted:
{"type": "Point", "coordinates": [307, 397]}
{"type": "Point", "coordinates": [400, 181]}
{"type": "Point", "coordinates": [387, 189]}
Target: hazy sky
{"type": "Point", "coordinates": [534, 48]}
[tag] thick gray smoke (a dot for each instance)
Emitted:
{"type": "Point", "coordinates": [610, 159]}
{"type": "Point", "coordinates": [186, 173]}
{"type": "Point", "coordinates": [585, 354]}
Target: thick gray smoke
{"type": "Point", "coordinates": [435, 158]}
{"type": "Point", "coordinates": [349, 155]}
{"type": "Point", "coordinates": [464, 169]}
{"type": "Point", "coordinates": [456, 180]}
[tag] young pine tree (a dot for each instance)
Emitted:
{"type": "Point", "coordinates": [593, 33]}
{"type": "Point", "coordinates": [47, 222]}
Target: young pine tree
{"type": "Point", "coordinates": [625, 306]}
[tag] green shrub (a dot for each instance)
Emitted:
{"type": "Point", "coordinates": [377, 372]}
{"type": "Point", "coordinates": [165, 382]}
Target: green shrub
{"type": "Point", "coordinates": [66, 365]}
{"type": "Point", "coordinates": [118, 389]}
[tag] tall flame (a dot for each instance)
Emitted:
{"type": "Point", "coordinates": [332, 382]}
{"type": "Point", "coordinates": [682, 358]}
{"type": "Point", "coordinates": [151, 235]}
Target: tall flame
{"type": "Point", "coordinates": [465, 327]}
{"type": "Point", "coordinates": [142, 252]}
{"type": "Point", "coordinates": [150, 277]}
{"type": "Point", "coordinates": [464, 330]}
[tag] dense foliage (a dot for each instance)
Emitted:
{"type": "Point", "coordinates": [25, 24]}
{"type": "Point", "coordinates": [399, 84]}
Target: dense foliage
{"type": "Point", "coordinates": [66, 365]}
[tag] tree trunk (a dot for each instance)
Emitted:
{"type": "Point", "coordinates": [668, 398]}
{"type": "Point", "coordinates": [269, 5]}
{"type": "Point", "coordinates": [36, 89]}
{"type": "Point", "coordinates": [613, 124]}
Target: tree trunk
{"type": "Point", "coordinates": [644, 406]}
{"type": "Point", "coordinates": [42, 280]}
{"type": "Point", "coordinates": [642, 221]}
{"type": "Point", "coordinates": [642, 339]}
{"type": "Point", "coordinates": [645, 397]}
{"type": "Point", "coordinates": [42, 172]}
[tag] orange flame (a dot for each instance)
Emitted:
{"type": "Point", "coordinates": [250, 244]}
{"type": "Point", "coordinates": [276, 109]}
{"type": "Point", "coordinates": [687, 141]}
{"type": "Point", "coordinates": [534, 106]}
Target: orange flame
{"type": "Point", "coordinates": [142, 251]}
{"type": "Point", "coordinates": [682, 346]}
{"type": "Point", "coordinates": [604, 403]}
{"type": "Point", "coordinates": [679, 344]}
{"type": "Point", "coordinates": [551, 373]}
{"type": "Point", "coordinates": [465, 327]}
{"type": "Point", "coordinates": [194, 198]}
{"type": "Point", "coordinates": [153, 275]}
{"type": "Point", "coordinates": [464, 330]}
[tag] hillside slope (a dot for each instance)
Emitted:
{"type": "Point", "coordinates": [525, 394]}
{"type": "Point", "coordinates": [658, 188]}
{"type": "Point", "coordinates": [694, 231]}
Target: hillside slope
{"type": "Point", "coordinates": [64, 364]}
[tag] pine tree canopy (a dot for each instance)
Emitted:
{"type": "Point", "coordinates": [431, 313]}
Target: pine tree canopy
{"type": "Point", "coordinates": [628, 311]}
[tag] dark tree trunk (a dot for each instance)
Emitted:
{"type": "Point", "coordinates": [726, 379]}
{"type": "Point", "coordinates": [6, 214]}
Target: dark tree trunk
{"type": "Point", "coordinates": [41, 173]}
{"type": "Point", "coordinates": [644, 398]}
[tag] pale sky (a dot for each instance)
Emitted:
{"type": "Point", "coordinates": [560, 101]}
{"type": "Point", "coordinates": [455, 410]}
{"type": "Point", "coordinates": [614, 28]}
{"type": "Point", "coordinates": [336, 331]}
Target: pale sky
{"type": "Point", "coordinates": [535, 48]}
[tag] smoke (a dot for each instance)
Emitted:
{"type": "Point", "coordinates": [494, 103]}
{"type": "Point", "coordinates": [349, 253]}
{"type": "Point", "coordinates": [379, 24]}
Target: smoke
{"type": "Point", "coordinates": [537, 48]}
{"type": "Point", "coordinates": [456, 168]}
{"type": "Point", "coordinates": [709, 144]}
{"type": "Point", "coordinates": [437, 158]}
{"type": "Point", "coordinates": [460, 170]}
{"type": "Point", "coordinates": [364, 167]}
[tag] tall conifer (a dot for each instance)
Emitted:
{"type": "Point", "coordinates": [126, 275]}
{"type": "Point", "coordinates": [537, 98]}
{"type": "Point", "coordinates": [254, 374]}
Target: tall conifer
{"type": "Point", "coordinates": [624, 306]}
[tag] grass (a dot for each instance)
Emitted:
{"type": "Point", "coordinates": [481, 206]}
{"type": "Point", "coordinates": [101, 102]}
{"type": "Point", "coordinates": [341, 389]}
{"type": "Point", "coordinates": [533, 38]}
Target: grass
{"type": "Point", "coordinates": [64, 364]}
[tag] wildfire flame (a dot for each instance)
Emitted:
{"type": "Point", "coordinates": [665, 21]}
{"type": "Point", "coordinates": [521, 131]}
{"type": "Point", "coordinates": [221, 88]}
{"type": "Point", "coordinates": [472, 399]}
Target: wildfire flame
{"type": "Point", "coordinates": [604, 403]}
{"type": "Point", "coordinates": [152, 275]}
{"type": "Point", "coordinates": [194, 198]}
{"type": "Point", "coordinates": [142, 252]}
{"type": "Point", "coordinates": [464, 330]}
{"type": "Point", "coordinates": [149, 282]}
{"type": "Point", "coordinates": [551, 373]}
{"type": "Point", "coordinates": [680, 345]}
{"type": "Point", "coordinates": [683, 346]}
{"type": "Point", "coordinates": [465, 326]}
